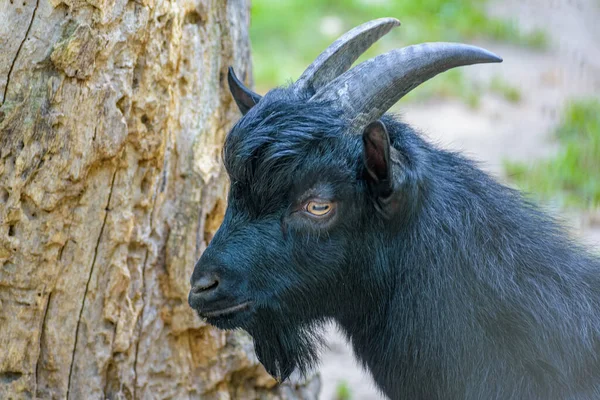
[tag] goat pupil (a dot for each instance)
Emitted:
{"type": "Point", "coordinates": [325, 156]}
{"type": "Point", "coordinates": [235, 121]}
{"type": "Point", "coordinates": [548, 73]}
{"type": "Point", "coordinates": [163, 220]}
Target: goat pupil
{"type": "Point", "coordinates": [319, 209]}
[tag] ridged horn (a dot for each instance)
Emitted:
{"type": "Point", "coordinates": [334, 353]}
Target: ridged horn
{"type": "Point", "coordinates": [340, 55]}
{"type": "Point", "coordinates": [368, 90]}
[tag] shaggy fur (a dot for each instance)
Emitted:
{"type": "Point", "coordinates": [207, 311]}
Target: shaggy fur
{"type": "Point", "coordinates": [468, 291]}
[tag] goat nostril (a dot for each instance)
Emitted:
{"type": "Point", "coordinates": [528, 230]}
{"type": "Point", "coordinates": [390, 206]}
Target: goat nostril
{"type": "Point", "coordinates": [206, 284]}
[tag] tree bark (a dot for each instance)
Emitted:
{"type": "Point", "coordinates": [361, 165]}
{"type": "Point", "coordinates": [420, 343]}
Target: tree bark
{"type": "Point", "coordinates": [112, 118]}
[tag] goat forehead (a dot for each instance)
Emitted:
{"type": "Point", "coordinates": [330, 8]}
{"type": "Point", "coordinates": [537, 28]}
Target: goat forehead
{"type": "Point", "coordinates": [283, 146]}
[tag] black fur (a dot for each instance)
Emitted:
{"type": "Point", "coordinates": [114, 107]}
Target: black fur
{"type": "Point", "coordinates": [464, 291]}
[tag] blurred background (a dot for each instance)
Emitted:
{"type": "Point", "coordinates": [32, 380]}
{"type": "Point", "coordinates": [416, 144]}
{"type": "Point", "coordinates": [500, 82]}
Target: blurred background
{"type": "Point", "coordinates": [532, 121]}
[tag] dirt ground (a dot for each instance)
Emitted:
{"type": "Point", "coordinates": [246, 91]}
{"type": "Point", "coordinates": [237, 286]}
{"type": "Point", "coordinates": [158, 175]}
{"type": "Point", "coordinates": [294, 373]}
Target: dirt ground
{"type": "Point", "coordinates": [498, 129]}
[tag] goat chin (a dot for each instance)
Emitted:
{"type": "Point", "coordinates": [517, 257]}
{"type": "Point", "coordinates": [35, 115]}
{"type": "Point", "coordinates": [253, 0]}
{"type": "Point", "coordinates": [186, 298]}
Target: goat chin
{"type": "Point", "coordinates": [283, 347]}
{"type": "Point", "coordinates": [282, 344]}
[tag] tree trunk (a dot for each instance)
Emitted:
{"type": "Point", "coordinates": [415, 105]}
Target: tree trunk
{"type": "Point", "coordinates": [111, 125]}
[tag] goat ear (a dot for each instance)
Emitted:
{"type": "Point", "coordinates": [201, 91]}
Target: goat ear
{"type": "Point", "coordinates": [376, 157]}
{"type": "Point", "coordinates": [244, 97]}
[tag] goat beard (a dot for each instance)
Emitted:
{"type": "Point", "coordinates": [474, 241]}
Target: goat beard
{"type": "Point", "coordinates": [284, 346]}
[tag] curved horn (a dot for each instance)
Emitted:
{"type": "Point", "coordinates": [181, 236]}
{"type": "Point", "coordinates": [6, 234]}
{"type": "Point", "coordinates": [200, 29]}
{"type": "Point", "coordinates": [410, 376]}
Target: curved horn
{"type": "Point", "coordinates": [340, 55]}
{"type": "Point", "coordinates": [244, 97]}
{"type": "Point", "coordinates": [368, 90]}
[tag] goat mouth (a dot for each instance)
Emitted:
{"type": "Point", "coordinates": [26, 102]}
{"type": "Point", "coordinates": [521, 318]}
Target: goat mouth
{"type": "Point", "coordinates": [225, 311]}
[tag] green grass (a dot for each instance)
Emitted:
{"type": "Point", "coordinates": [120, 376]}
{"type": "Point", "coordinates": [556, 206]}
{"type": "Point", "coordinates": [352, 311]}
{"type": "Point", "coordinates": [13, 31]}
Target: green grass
{"type": "Point", "coordinates": [288, 34]}
{"type": "Point", "coordinates": [572, 177]}
{"type": "Point", "coordinates": [342, 391]}
{"type": "Point", "coordinates": [505, 89]}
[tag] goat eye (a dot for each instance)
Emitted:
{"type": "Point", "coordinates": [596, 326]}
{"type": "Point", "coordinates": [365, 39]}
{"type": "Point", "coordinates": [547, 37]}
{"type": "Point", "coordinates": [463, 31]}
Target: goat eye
{"type": "Point", "coordinates": [319, 209]}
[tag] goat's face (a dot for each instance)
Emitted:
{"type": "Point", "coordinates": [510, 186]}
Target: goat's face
{"type": "Point", "coordinates": [300, 205]}
{"type": "Point", "coordinates": [313, 181]}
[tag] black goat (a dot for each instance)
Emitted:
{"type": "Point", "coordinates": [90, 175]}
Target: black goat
{"type": "Point", "coordinates": [447, 284]}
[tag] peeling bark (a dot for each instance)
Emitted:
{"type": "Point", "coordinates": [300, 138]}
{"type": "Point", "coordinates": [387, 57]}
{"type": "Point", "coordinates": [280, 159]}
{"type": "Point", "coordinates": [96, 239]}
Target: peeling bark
{"type": "Point", "coordinates": [111, 125]}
